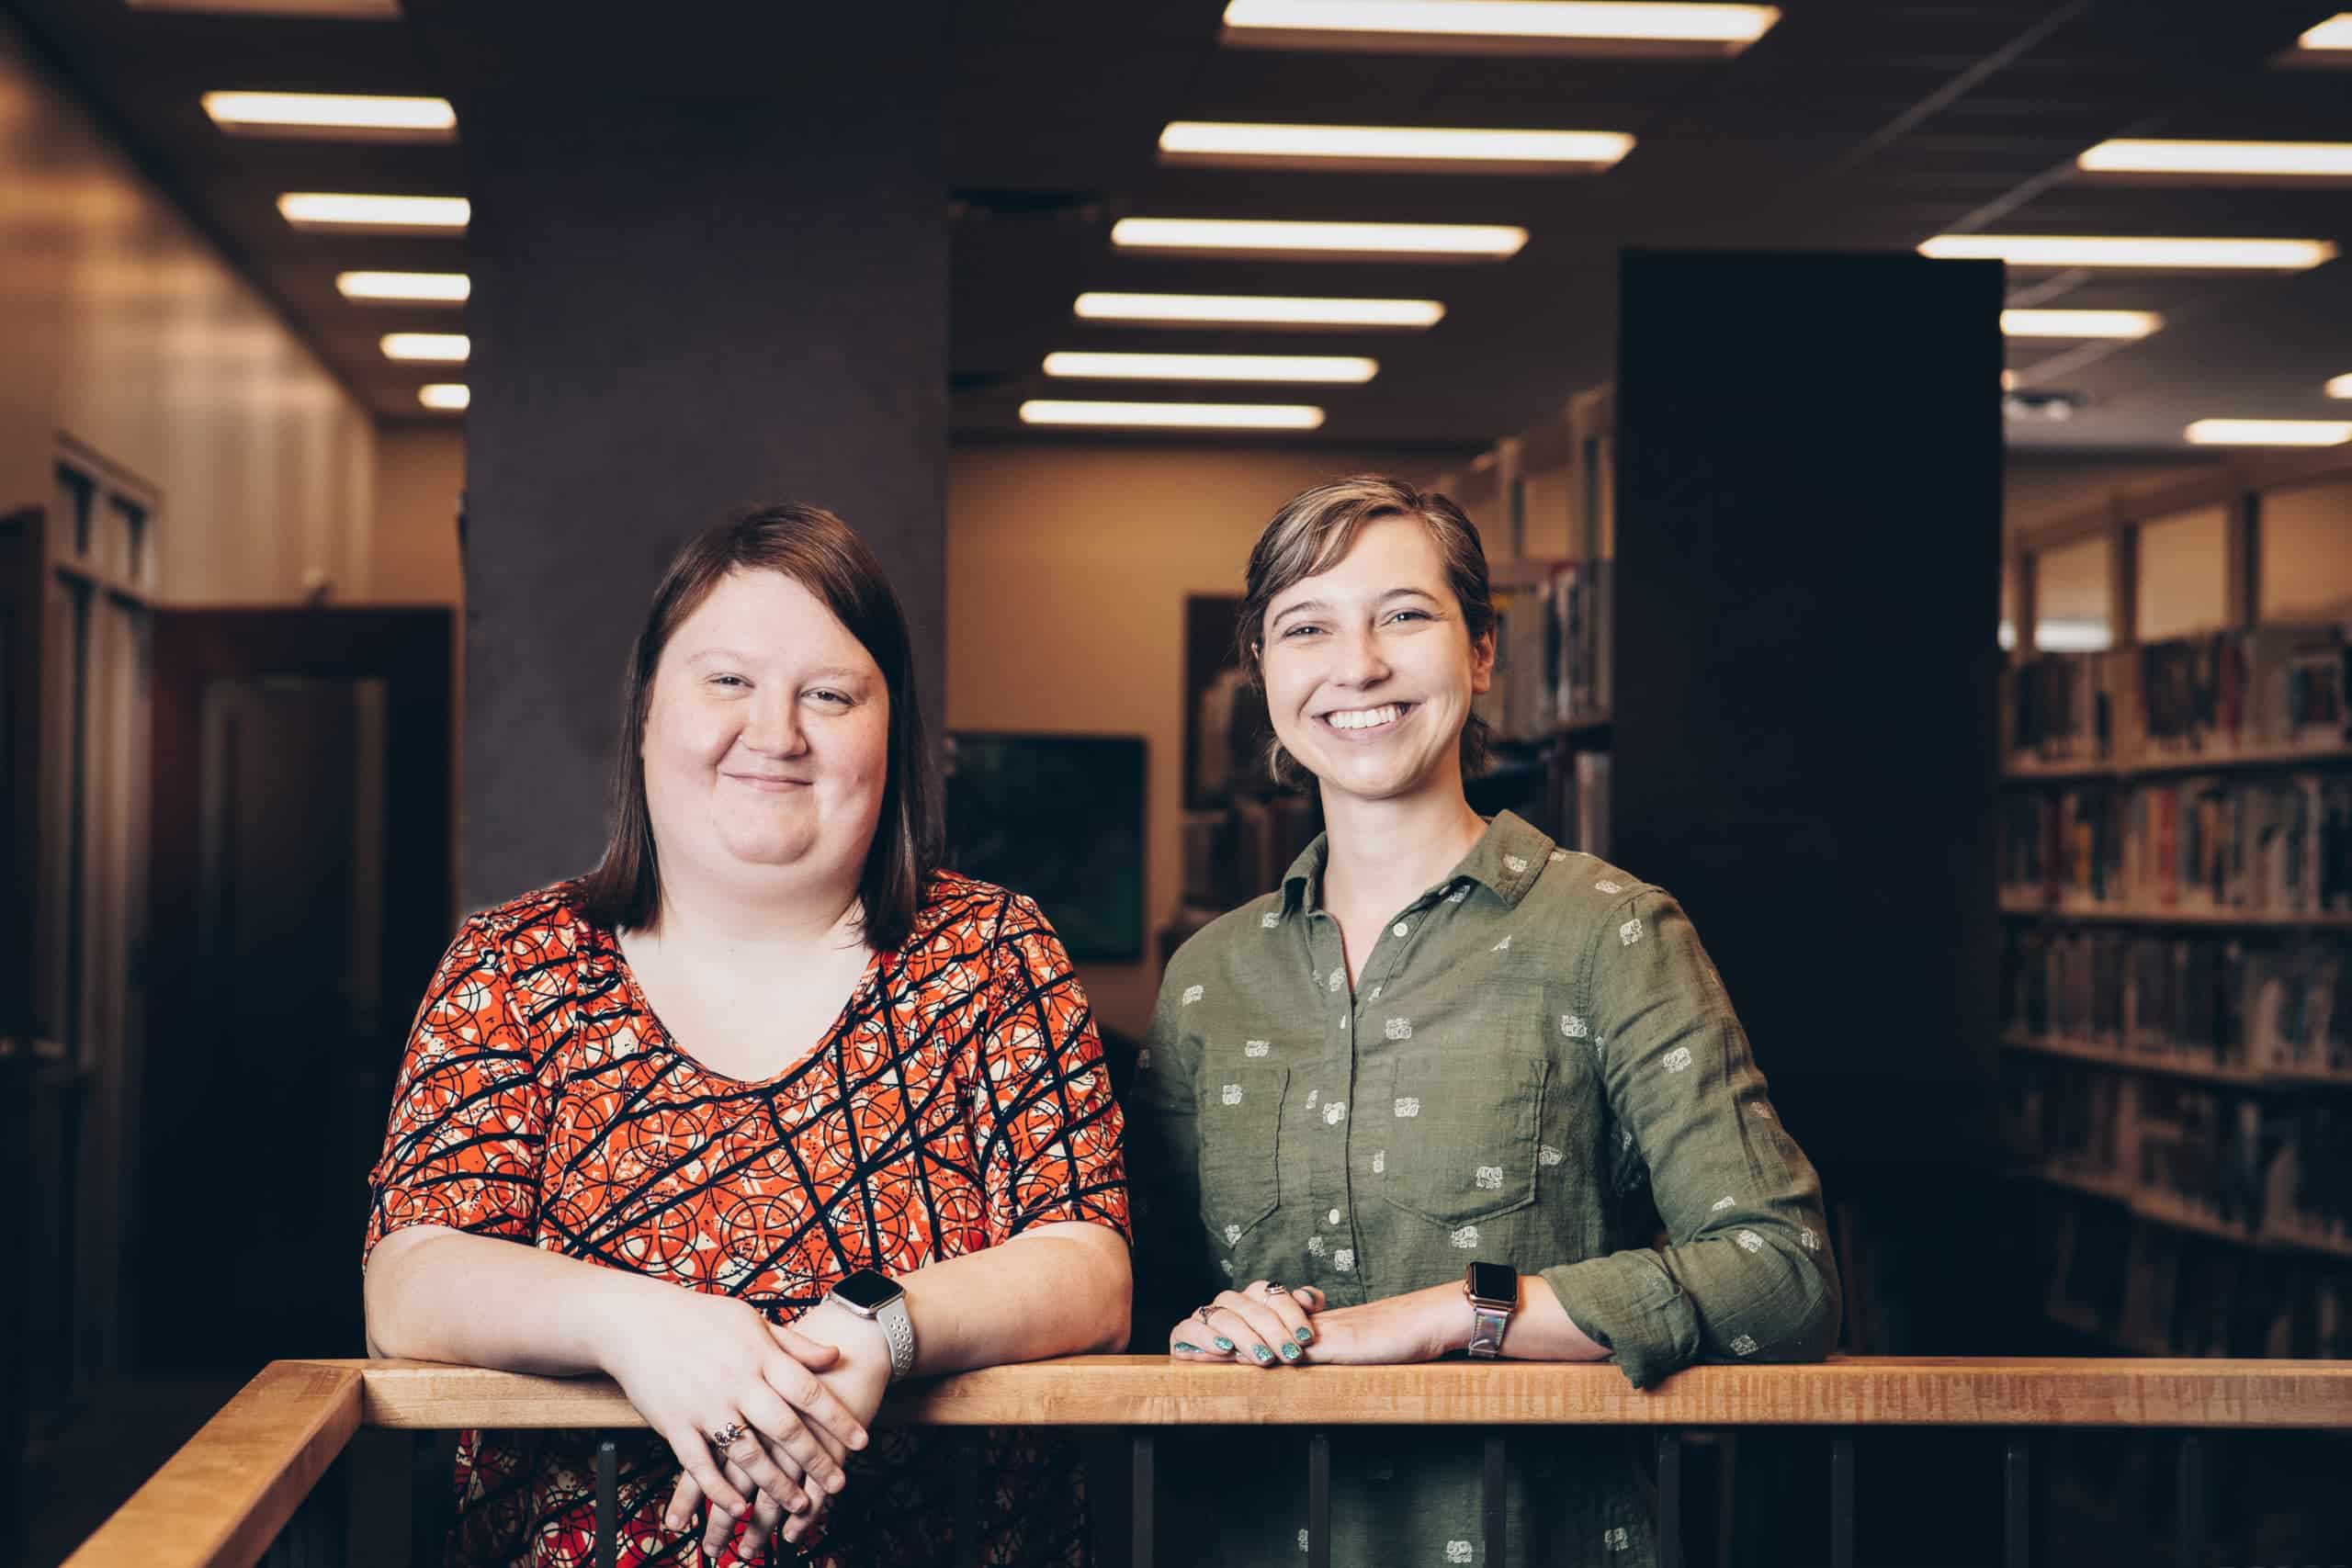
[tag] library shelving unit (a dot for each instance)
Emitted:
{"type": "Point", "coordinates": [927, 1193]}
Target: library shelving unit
{"type": "Point", "coordinates": [2176, 876]}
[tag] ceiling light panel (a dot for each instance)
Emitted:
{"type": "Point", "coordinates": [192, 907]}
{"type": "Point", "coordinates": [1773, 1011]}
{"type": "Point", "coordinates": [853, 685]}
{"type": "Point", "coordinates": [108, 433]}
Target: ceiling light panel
{"type": "Point", "coordinates": [1215, 236]}
{"type": "Point", "coordinates": [2270, 432]}
{"type": "Point", "coordinates": [2341, 387]}
{"type": "Point", "coordinates": [2080, 323]}
{"type": "Point", "coordinates": [447, 396]}
{"type": "Point", "coordinates": [438, 348]}
{"type": "Point", "coordinates": [1330, 369]}
{"type": "Point", "coordinates": [1261, 311]}
{"type": "Point", "coordinates": [332, 115]}
{"type": "Point", "coordinates": [2149, 254]}
{"type": "Point", "coordinates": [1498, 26]}
{"type": "Point", "coordinates": [1173, 416]}
{"type": "Point", "coordinates": [334, 10]}
{"type": "Point", "coordinates": [1393, 149]}
{"type": "Point", "coordinates": [405, 287]}
{"type": "Point", "coordinates": [2329, 43]}
{"type": "Point", "coordinates": [328, 211]}
{"type": "Point", "coordinates": [2221, 163]}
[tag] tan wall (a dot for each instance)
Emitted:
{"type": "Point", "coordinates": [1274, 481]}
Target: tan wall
{"type": "Point", "coordinates": [126, 331]}
{"type": "Point", "coordinates": [420, 477]}
{"type": "Point", "coordinates": [1067, 572]}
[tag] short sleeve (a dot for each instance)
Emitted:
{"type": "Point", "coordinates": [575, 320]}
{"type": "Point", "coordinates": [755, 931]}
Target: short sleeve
{"type": "Point", "coordinates": [468, 1115]}
{"type": "Point", "coordinates": [1051, 1138]}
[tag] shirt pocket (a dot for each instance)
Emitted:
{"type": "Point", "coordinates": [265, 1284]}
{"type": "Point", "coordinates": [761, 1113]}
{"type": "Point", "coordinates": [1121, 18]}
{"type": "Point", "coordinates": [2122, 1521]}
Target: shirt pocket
{"type": "Point", "coordinates": [1240, 1123]}
{"type": "Point", "coordinates": [1467, 1136]}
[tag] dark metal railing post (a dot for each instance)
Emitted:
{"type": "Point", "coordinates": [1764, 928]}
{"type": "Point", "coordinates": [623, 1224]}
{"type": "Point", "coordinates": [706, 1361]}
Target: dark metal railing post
{"type": "Point", "coordinates": [1841, 1501]}
{"type": "Point", "coordinates": [1494, 1493]}
{"type": "Point", "coordinates": [1142, 1511]}
{"type": "Point", "coordinates": [2189, 1487]}
{"type": "Point", "coordinates": [609, 1504]}
{"type": "Point", "coordinates": [963, 1472]}
{"type": "Point", "coordinates": [1319, 1499]}
{"type": "Point", "coordinates": [1670, 1500]}
{"type": "Point", "coordinates": [2017, 1501]}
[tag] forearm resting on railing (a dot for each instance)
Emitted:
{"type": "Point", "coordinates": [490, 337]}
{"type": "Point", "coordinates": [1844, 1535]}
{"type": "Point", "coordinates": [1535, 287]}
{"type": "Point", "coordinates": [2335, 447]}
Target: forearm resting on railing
{"type": "Point", "coordinates": [437, 1294]}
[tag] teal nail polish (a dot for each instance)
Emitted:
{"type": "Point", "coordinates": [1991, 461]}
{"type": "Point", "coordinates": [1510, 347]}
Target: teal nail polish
{"type": "Point", "coordinates": [1265, 1357]}
{"type": "Point", "coordinates": [1303, 1335]}
{"type": "Point", "coordinates": [1222, 1343]}
{"type": "Point", "coordinates": [1194, 1349]}
{"type": "Point", "coordinates": [1290, 1352]}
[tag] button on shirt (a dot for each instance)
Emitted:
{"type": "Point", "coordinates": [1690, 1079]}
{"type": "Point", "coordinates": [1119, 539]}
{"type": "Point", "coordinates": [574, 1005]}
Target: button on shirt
{"type": "Point", "coordinates": [1538, 1067]}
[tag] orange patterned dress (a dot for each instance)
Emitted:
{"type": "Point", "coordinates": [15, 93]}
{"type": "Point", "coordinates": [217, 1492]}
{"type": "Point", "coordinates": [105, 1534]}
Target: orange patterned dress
{"type": "Point", "coordinates": [960, 1098]}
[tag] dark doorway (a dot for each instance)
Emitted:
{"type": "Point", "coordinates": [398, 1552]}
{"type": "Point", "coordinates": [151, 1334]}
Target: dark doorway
{"type": "Point", "coordinates": [301, 896]}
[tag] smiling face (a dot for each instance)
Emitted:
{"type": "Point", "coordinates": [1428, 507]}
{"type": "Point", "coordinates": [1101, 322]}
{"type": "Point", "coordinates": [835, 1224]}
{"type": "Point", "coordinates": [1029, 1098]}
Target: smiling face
{"type": "Point", "coordinates": [767, 740]}
{"type": "Point", "coordinates": [1370, 669]}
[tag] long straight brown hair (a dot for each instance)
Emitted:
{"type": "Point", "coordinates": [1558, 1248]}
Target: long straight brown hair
{"type": "Point", "coordinates": [820, 552]}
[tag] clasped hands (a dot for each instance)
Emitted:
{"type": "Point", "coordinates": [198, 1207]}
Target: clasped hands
{"type": "Point", "coordinates": [1268, 1326]}
{"type": "Point", "coordinates": [792, 1404]}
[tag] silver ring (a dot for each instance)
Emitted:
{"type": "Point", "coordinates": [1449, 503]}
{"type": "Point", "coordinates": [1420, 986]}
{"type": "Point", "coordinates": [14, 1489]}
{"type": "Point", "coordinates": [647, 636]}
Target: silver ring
{"type": "Point", "coordinates": [1274, 1290]}
{"type": "Point", "coordinates": [727, 1437]}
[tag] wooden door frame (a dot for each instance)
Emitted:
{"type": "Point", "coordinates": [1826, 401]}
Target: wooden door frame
{"type": "Point", "coordinates": [21, 559]}
{"type": "Point", "coordinates": [410, 650]}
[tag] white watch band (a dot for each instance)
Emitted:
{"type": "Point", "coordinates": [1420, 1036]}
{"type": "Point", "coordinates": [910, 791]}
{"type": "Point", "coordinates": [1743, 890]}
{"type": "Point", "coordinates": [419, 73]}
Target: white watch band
{"type": "Point", "coordinates": [899, 1329]}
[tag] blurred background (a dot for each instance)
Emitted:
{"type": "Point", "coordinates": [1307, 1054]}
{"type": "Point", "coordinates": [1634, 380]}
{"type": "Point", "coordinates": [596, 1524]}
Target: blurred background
{"type": "Point", "coordinates": [1913, 444]}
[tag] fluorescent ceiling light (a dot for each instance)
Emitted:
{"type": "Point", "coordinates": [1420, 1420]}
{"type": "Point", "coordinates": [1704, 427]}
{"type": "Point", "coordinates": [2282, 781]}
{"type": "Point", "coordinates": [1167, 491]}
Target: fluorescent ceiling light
{"type": "Point", "coordinates": [1213, 366]}
{"type": "Point", "coordinates": [341, 114]}
{"type": "Point", "coordinates": [1259, 310]}
{"type": "Point", "coordinates": [1174, 416]}
{"type": "Point", "coordinates": [1498, 26]}
{"type": "Point", "coordinates": [2079, 323]}
{"type": "Point", "coordinates": [2340, 387]}
{"type": "Point", "coordinates": [2162, 254]}
{"type": "Point", "coordinates": [340, 10]}
{"type": "Point", "coordinates": [2270, 432]}
{"type": "Point", "coordinates": [412, 287]}
{"type": "Point", "coordinates": [376, 214]}
{"type": "Point", "coordinates": [443, 348]}
{"type": "Point", "coordinates": [448, 396]}
{"type": "Point", "coordinates": [2333, 36]}
{"type": "Point", "coordinates": [1463, 241]}
{"type": "Point", "coordinates": [2250, 160]}
{"type": "Point", "coordinates": [1391, 148]}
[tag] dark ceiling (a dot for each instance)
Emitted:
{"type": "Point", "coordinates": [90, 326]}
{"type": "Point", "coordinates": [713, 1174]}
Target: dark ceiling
{"type": "Point", "coordinates": [1854, 124]}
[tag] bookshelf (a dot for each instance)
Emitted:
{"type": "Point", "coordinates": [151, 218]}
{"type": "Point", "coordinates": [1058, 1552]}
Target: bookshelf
{"type": "Point", "coordinates": [2175, 895]}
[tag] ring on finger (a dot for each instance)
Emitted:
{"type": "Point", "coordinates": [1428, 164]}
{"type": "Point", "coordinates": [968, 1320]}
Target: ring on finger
{"type": "Point", "coordinates": [1271, 1290]}
{"type": "Point", "coordinates": [727, 1437]}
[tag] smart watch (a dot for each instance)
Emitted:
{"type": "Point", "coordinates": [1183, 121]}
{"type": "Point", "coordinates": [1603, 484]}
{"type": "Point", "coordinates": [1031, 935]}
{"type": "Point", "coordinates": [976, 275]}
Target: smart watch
{"type": "Point", "coordinates": [1493, 1290]}
{"type": "Point", "coordinates": [880, 1299]}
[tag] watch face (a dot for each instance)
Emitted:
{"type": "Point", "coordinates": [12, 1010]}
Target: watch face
{"type": "Point", "coordinates": [869, 1292]}
{"type": "Point", "coordinates": [1492, 1282]}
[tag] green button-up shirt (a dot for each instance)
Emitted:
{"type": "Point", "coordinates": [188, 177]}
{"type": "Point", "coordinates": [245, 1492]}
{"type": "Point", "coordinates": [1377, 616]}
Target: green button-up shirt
{"type": "Point", "coordinates": [1538, 1067]}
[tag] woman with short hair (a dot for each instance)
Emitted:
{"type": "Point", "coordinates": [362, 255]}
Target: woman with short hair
{"type": "Point", "coordinates": [1437, 1093]}
{"type": "Point", "coordinates": [765, 1113]}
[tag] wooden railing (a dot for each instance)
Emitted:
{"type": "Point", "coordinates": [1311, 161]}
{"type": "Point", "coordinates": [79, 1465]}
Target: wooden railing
{"type": "Point", "coordinates": [223, 1499]}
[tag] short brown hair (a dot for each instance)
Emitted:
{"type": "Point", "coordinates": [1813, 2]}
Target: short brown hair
{"type": "Point", "coordinates": [821, 553]}
{"type": "Point", "coordinates": [1314, 531]}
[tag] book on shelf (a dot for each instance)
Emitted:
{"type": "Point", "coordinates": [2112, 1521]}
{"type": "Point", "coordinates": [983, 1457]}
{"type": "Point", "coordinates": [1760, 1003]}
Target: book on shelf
{"type": "Point", "coordinates": [2246, 693]}
{"type": "Point", "coordinates": [2270, 844]}
{"type": "Point", "coordinates": [2269, 1006]}
{"type": "Point", "coordinates": [1552, 655]}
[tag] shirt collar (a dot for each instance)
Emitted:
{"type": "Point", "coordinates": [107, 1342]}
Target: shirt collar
{"type": "Point", "coordinates": [1507, 858]}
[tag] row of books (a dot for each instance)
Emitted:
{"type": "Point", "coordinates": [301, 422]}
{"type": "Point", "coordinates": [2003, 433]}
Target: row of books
{"type": "Point", "coordinates": [1552, 647]}
{"type": "Point", "coordinates": [2219, 693]}
{"type": "Point", "coordinates": [2202, 1001]}
{"type": "Point", "coordinates": [2266, 844]}
{"type": "Point", "coordinates": [2251, 1166]}
{"type": "Point", "coordinates": [1234, 855]}
{"type": "Point", "coordinates": [2160, 1290]}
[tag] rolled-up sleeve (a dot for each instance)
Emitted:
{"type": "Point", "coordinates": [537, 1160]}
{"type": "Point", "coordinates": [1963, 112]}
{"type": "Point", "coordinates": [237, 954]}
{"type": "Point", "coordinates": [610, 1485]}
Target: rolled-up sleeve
{"type": "Point", "coordinates": [1747, 1274]}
